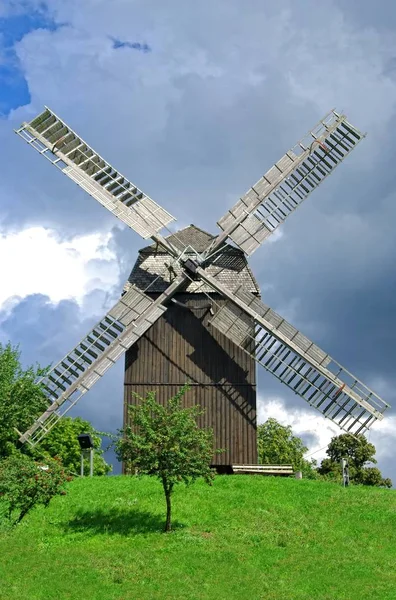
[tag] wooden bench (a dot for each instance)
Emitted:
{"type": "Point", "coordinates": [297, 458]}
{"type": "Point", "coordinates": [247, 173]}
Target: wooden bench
{"type": "Point", "coordinates": [277, 470]}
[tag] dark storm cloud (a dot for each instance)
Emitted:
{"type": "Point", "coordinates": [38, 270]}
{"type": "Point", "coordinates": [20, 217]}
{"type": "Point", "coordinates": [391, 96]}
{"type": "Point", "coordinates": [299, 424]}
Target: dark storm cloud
{"type": "Point", "coordinates": [131, 45]}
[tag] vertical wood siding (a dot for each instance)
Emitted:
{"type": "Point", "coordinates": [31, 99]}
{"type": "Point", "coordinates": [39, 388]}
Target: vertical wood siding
{"type": "Point", "coordinates": [182, 346]}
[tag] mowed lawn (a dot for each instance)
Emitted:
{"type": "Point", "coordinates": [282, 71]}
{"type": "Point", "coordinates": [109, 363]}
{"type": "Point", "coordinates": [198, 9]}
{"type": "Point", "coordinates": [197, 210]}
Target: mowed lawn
{"type": "Point", "coordinates": [245, 537]}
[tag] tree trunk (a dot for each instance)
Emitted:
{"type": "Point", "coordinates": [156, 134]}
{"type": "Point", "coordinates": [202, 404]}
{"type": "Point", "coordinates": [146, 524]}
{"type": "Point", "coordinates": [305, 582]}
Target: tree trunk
{"type": "Point", "coordinates": [168, 492]}
{"type": "Point", "coordinates": [168, 525]}
{"type": "Point", "coordinates": [23, 514]}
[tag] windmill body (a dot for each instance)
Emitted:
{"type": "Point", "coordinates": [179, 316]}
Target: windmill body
{"type": "Point", "coordinates": [181, 346]}
{"type": "Point", "coordinates": [188, 312]}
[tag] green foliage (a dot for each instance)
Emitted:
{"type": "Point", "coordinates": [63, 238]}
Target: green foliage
{"type": "Point", "coordinates": [25, 484]}
{"type": "Point", "coordinates": [278, 445]}
{"type": "Point", "coordinates": [356, 448]}
{"type": "Point", "coordinates": [21, 398]}
{"type": "Point", "coordinates": [373, 476]}
{"type": "Point", "coordinates": [243, 538]}
{"type": "Point", "coordinates": [359, 452]}
{"type": "Point", "coordinates": [165, 441]}
{"type": "Point", "coordinates": [331, 471]}
{"type": "Point", "coordinates": [62, 442]}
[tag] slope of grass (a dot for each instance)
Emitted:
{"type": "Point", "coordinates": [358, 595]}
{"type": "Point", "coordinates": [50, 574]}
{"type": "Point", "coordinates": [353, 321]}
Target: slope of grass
{"type": "Point", "coordinates": [244, 538]}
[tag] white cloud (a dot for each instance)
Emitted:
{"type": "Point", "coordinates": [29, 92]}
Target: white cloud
{"type": "Point", "coordinates": [302, 422]}
{"type": "Point", "coordinates": [383, 436]}
{"type": "Point", "coordinates": [34, 261]}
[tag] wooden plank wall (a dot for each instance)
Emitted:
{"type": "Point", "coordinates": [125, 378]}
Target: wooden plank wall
{"type": "Point", "coordinates": [181, 346]}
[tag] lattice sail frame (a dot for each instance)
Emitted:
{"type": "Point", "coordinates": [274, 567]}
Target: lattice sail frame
{"type": "Point", "coordinates": [122, 326]}
{"type": "Point", "coordinates": [67, 151]}
{"type": "Point", "coordinates": [296, 361]}
{"type": "Point", "coordinates": [289, 182]}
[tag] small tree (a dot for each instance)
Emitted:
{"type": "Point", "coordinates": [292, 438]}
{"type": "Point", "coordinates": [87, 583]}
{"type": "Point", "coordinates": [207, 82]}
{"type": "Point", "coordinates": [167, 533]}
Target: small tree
{"type": "Point", "coordinates": [356, 448]}
{"type": "Point", "coordinates": [278, 445]}
{"type": "Point", "coordinates": [359, 452]}
{"type": "Point", "coordinates": [24, 484]}
{"type": "Point", "coordinates": [166, 442]}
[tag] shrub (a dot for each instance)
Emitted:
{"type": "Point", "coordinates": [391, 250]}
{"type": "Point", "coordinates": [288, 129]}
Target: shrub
{"type": "Point", "coordinates": [24, 484]}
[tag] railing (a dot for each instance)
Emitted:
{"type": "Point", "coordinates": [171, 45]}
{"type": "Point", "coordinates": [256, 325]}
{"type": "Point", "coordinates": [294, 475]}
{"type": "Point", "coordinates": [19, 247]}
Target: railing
{"type": "Point", "coordinates": [264, 469]}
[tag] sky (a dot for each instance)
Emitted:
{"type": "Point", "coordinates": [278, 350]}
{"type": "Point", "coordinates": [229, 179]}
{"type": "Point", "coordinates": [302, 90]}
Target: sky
{"type": "Point", "coordinates": [194, 102]}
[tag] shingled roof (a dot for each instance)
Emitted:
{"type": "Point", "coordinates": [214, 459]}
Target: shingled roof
{"type": "Point", "coordinates": [229, 266]}
{"type": "Point", "coordinates": [189, 236]}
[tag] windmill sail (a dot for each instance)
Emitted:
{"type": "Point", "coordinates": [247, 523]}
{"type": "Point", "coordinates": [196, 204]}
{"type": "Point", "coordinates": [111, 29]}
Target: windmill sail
{"type": "Point", "coordinates": [81, 368]}
{"type": "Point", "coordinates": [57, 142]}
{"type": "Point", "coordinates": [289, 182]}
{"type": "Point", "coordinates": [296, 360]}
{"type": "Point", "coordinates": [258, 330]}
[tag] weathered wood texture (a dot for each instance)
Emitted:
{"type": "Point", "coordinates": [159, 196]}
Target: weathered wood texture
{"type": "Point", "coordinates": [181, 346]}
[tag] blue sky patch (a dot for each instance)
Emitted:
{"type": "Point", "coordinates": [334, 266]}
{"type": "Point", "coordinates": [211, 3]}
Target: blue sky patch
{"type": "Point", "coordinates": [14, 90]}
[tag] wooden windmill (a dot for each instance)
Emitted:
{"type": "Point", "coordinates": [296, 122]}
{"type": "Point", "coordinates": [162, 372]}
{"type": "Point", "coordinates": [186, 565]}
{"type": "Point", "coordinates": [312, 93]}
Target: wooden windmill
{"type": "Point", "coordinates": [191, 309]}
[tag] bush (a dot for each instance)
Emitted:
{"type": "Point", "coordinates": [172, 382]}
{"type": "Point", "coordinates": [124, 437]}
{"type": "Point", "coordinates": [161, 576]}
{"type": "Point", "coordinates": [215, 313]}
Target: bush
{"type": "Point", "coordinates": [24, 484]}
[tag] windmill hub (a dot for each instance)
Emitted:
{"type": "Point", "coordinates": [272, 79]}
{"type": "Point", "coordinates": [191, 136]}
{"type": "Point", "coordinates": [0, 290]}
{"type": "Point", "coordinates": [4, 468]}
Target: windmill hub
{"type": "Point", "coordinates": [191, 267]}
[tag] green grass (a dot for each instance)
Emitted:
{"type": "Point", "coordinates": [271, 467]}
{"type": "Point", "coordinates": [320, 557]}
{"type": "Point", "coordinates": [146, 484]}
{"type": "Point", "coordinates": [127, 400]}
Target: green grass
{"type": "Point", "coordinates": [244, 538]}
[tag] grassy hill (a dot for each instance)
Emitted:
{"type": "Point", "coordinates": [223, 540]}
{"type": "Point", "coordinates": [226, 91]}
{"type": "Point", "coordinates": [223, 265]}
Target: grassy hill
{"type": "Point", "coordinates": [244, 538]}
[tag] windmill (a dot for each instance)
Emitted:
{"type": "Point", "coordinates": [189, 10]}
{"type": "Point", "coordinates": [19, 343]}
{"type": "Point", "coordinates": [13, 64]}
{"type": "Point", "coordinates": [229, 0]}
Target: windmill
{"type": "Point", "coordinates": [233, 313]}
